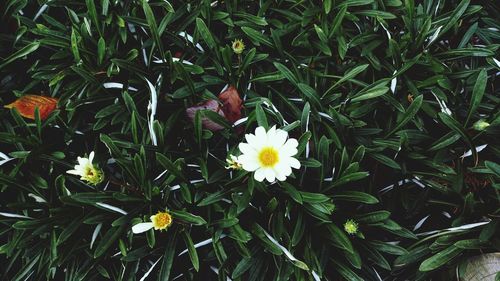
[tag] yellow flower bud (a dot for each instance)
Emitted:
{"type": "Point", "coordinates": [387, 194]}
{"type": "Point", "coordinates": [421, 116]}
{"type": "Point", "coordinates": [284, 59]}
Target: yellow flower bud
{"type": "Point", "coordinates": [351, 227]}
{"type": "Point", "coordinates": [480, 125]}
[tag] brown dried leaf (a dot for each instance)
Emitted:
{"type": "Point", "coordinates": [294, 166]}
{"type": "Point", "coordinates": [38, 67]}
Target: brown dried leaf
{"type": "Point", "coordinates": [232, 104]}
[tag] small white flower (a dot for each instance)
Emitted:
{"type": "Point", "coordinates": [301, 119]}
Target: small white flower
{"type": "Point", "coordinates": [87, 171]}
{"type": "Point", "coordinates": [233, 163]}
{"type": "Point", "coordinates": [269, 154]}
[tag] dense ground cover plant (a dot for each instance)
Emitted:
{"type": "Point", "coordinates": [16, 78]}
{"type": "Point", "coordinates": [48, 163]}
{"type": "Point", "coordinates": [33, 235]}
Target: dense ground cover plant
{"type": "Point", "coordinates": [392, 104]}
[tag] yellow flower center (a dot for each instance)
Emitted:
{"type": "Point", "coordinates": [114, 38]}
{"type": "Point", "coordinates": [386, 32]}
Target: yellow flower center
{"type": "Point", "coordinates": [93, 175]}
{"type": "Point", "coordinates": [162, 220]}
{"type": "Point", "coordinates": [268, 157]}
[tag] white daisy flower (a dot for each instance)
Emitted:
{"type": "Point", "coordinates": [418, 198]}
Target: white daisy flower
{"type": "Point", "coordinates": [269, 154]}
{"type": "Point", "coordinates": [87, 171]}
{"type": "Point", "coordinates": [160, 221]}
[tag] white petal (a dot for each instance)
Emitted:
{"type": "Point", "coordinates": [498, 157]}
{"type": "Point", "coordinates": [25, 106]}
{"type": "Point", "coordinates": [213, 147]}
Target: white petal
{"type": "Point", "coordinates": [245, 148]}
{"type": "Point", "coordinates": [91, 157]}
{"type": "Point", "coordinates": [142, 227]}
{"type": "Point", "coordinates": [254, 141]}
{"type": "Point", "coordinates": [85, 163]}
{"type": "Point", "coordinates": [82, 161]}
{"type": "Point", "coordinates": [294, 163]}
{"type": "Point", "coordinates": [287, 151]}
{"type": "Point", "coordinates": [261, 134]}
{"type": "Point", "coordinates": [280, 175]}
{"type": "Point", "coordinates": [279, 138]}
{"type": "Point", "coordinates": [248, 162]}
{"type": "Point", "coordinates": [259, 175]}
{"type": "Point", "coordinates": [271, 133]}
{"type": "Point", "coordinates": [290, 147]}
{"type": "Point", "coordinates": [292, 142]}
{"type": "Point", "coordinates": [283, 168]}
{"type": "Point", "coordinates": [270, 175]}
{"type": "Point", "coordinates": [73, 172]}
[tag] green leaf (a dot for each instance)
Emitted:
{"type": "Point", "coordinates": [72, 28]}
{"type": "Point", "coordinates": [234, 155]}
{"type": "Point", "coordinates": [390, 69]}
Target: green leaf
{"type": "Point", "coordinates": [494, 167]}
{"type": "Point", "coordinates": [310, 94]}
{"type": "Point", "coordinates": [168, 257]}
{"type": "Point", "coordinates": [355, 196]}
{"type": "Point", "coordinates": [457, 128]}
{"type": "Point", "coordinates": [30, 48]}
{"type": "Point", "coordinates": [347, 77]}
{"type": "Point", "coordinates": [101, 50]}
{"type": "Point", "coordinates": [261, 116]}
{"type": "Point", "coordinates": [93, 15]}
{"type": "Point", "coordinates": [153, 27]}
{"type": "Point", "coordinates": [370, 94]}
{"type": "Point", "coordinates": [193, 255]}
{"type": "Point", "coordinates": [256, 36]}
{"type": "Point", "coordinates": [477, 93]}
{"type": "Point", "coordinates": [345, 271]}
{"type": "Point", "coordinates": [458, 11]}
{"type": "Point", "coordinates": [108, 239]}
{"type": "Point", "coordinates": [348, 178]}
{"type": "Point", "coordinates": [339, 239]}
{"type": "Point", "coordinates": [385, 160]}
{"type": "Point", "coordinates": [440, 258]}
{"type": "Point", "coordinates": [337, 21]}
{"type": "Point", "coordinates": [286, 72]}
{"type": "Point", "coordinates": [169, 165]}
{"type": "Point", "coordinates": [188, 217]}
{"type": "Point", "coordinates": [205, 33]}
{"type": "Point", "coordinates": [408, 115]}
{"type": "Point", "coordinates": [74, 45]}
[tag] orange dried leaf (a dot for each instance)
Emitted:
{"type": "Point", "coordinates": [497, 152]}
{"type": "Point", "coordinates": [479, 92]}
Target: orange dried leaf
{"type": "Point", "coordinates": [26, 106]}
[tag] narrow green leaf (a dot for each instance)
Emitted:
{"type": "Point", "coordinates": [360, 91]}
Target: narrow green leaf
{"type": "Point", "coordinates": [193, 255]}
{"type": "Point", "coordinates": [93, 15]}
{"type": "Point", "coordinates": [188, 217]}
{"type": "Point", "coordinates": [286, 72]}
{"type": "Point", "coordinates": [370, 94]}
{"type": "Point", "coordinates": [477, 93]}
{"type": "Point", "coordinates": [153, 27]}
{"type": "Point", "coordinates": [440, 258]}
{"type": "Point", "coordinates": [408, 115]}
{"type": "Point", "coordinates": [260, 115]}
{"type": "Point", "coordinates": [101, 50]}
{"type": "Point", "coordinates": [457, 128]}
{"type": "Point", "coordinates": [108, 239]}
{"type": "Point", "coordinates": [20, 53]}
{"type": "Point", "coordinates": [355, 196]}
{"type": "Point", "coordinates": [205, 33]}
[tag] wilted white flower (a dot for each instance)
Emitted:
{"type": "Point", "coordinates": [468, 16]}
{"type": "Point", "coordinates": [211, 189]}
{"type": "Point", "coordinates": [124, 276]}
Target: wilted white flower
{"type": "Point", "coordinates": [233, 163]}
{"type": "Point", "coordinates": [87, 171]}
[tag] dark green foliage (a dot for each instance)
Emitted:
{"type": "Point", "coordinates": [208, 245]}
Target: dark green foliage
{"type": "Point", "coordinates": [382, 95]}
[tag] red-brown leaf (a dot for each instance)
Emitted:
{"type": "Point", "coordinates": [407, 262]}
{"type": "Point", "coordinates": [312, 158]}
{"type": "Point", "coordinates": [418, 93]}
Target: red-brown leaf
{"type": "Point", "coordinates": [232, 104]}
{"type": "Point", "coordinates": [26, 106]}
{"type": "Point", "coordinates": [212, 105]}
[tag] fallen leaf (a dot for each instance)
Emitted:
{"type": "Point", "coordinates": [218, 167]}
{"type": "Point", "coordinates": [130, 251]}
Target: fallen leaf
{"type": "Point", "coordinates": [212, 105]}
{"type": "Point", "coordinates": [232, 104]}
{"type": "Point", "coordinates": [26, 106]}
